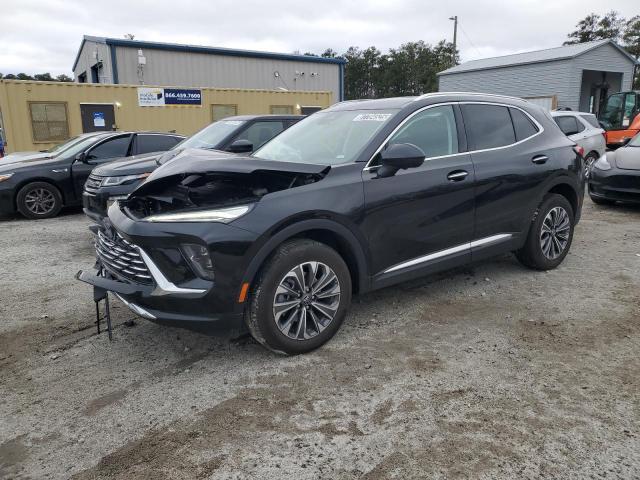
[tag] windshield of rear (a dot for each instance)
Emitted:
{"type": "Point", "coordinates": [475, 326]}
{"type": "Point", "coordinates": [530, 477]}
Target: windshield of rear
{"type": "Point", "coordinates": [211, 136]}
{"type": "Point", "coordinates": [326, 138]}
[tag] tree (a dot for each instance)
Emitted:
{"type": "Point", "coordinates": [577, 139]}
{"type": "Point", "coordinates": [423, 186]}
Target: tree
{"type": "Point", "coordinates": [329, 53]}
{"type": "Point", "coordinates": [43, 77]}
{"type": "Point", "coordinates": [631, 39]}
{"type": "Point", "coordinates": [24, 76]}
{"type": "Point", "coordinates": [64, 78]}
{"type": "Point", "coordinates": [594, 27]}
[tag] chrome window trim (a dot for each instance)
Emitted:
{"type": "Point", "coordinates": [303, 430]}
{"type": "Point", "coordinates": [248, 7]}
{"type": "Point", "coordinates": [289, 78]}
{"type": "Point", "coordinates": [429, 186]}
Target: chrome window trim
{"type": "Point", "coordinates": [164, 286]}
{"type": "Point", "coordinates": [368, 167]}
{"type": "Point", "coordinates": [482, 242]}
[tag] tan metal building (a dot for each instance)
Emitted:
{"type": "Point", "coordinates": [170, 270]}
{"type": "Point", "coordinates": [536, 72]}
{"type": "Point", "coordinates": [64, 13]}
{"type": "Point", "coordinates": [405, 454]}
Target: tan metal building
{"type": "Point", "coordinates": [39, 115]}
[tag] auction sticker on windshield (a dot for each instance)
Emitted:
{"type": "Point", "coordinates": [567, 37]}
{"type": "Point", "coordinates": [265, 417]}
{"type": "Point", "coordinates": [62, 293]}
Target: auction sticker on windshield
{"type": "Point", "coordinates": [371, 117]}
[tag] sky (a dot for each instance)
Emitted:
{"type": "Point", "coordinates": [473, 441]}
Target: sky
{"type": "Point", "coordinates": [44, 35]}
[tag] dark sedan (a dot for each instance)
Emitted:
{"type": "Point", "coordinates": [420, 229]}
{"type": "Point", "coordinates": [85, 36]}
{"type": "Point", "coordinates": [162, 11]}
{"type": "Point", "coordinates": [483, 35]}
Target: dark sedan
{"type": "Point", "coordinates": [239, 134]}
{"type": "Point", "coordinates": [39, 185]}
{"type": "Point", "coordinates": [615, 177]}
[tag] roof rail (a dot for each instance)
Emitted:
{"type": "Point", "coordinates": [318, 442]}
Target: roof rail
{"type": "Point", "coordinates": [434, 94]}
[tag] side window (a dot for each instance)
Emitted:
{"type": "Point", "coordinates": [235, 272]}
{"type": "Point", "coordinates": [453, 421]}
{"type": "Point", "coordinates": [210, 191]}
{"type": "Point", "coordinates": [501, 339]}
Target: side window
{"type": "Point", "coordinates": [488, 126]}
{"type": "Point", "coordinates": [115, 147]}
{"type": "Point", "coordinates": [568, 124]}
{"type": "Point", "coordinates": [522, 124]}
{"type": "Point", "coordinates": [433, 130]}
{"type": "Point", "coordinates": [154, 143]}
{"type": "Point", "coordinates": [629, 109]}
{"type": "Point", "coordinates": [261, 132]}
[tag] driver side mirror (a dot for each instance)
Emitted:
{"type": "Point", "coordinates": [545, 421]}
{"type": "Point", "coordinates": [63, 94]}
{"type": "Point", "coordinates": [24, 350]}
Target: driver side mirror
{"type": "Point", "coordinates": [82, 157]}
{"type": "Point", "coordinates": [240, 146]}
{"type": "Point", "coordinates": [400, 156]}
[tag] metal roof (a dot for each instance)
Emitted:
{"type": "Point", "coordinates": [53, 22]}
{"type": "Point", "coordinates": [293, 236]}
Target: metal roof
{"type": "Point", "coordinates": [176, 47]}
{"type": "Point", "coordinates": [547, 55]}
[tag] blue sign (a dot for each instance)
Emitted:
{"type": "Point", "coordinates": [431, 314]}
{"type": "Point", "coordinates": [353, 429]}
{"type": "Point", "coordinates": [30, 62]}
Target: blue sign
{"type": "Point", "coordinates": [98, 119]}
{"type": "Point", "coordinates": [179, 96]}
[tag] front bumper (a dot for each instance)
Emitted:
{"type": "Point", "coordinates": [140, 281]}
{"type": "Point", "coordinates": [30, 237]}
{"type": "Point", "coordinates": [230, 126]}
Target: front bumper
{"type": "Point", "coordinates": [175, 296]}
{"type": "Point", "coordinates": [615, 184]}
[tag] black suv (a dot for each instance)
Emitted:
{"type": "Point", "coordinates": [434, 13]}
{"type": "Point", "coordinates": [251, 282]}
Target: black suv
{"type": "Point", "coordinates": [39, 185]}
{"type": "Point", "coordinates": [362, 195]}
{"type": "Point", "coordinates": [239, 134]}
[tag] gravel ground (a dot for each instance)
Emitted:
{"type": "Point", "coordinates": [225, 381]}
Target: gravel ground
{"type": "Point", "coordinates": [491, 371]}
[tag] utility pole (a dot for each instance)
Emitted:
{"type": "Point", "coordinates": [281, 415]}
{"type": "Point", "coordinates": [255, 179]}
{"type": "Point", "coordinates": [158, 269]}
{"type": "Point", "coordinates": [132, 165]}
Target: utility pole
{"type": "Point", "coordinates": [455, 38]}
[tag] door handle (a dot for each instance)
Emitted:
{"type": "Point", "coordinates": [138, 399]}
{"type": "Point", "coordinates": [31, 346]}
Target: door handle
{"type": "Point", "coordinates": [540, 159]}
{"type": "Point", "coordinates": [457, 175]}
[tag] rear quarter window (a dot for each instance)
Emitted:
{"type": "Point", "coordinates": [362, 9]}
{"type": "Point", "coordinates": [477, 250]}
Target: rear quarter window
{"type": "Point", "coordinates": [591, 120]}
{"type": "Point", "coordinates": [522, 125]}
{"type": "Point", "coordinates": [488, 126]}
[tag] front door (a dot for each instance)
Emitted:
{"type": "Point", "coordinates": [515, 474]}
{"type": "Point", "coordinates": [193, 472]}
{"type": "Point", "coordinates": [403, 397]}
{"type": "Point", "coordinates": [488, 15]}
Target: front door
{"type": "Point", "coordinates": [421, 219]}
{"type": "Point", "coordinates": [97, 117]}
{"type": "Point", "coordinates": [108, 150]}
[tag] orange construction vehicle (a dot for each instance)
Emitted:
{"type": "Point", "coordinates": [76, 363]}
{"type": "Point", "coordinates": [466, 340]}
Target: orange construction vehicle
{"type": "Point", "coordinates": [620, 117]}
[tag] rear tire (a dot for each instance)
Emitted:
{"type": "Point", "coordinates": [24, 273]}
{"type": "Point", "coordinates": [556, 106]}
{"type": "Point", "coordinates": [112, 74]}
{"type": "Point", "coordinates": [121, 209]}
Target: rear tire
{"type": "Point", "coordinates": [550, 235]}
{"type": "Point", "coordinates": [588, 161]}
{"type": "Point", "coordinates": [39, 200]}
{"type": "Point", "coordinates": [300, 297]}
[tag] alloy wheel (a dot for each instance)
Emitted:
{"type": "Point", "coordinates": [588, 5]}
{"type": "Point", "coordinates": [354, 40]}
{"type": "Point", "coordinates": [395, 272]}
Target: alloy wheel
{"type": "Point", "coordinates": [306, 300]}
{"type": "Point", "coordinates": [555, 231]}
{"type": "Point", "coordinates": [40, 201]}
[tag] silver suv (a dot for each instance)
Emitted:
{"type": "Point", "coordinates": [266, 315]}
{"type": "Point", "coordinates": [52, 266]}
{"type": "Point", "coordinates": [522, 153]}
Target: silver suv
{"type": "Point", "coordinates": [584, 129]}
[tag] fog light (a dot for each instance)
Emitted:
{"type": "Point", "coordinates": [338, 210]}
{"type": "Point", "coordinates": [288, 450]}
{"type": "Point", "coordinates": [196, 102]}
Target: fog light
{"type": "Point", "coordinates": [200, 260]}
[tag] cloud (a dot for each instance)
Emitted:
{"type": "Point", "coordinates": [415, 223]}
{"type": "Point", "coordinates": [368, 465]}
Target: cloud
{"type": "Point", "coordinates": [39, 36]}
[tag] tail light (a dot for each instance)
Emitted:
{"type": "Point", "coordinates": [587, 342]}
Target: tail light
{"type": "Point", "coordinates": [579, 150]}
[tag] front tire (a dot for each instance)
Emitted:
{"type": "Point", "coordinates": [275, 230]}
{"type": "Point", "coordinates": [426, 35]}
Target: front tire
{"type": "Point", "coordinates": [300, 297]}
{"type": "Point", "coordinates": [588, 161]}
{"type": "Point", "coordinates": [39, 200]}
{"type": "Point", "coordinates": [550, 235]}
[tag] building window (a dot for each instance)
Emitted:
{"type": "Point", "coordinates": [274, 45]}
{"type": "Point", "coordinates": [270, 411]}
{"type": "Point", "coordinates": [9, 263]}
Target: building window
{"type": "Point", "coordinates": [282, 109]}
{"type": "Point", "coordinates": [49, 121]}
{"type": "Point", "coordinates": [218, 112]}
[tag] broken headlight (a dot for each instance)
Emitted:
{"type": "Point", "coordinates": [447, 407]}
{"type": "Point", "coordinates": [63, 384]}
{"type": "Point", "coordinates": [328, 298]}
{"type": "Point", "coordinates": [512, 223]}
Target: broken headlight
{"type": "Point", "coordinates": [222, 215]}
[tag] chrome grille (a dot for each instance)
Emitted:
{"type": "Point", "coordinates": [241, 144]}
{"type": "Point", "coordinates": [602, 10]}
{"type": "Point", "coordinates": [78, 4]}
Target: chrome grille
{"type": "Point", "coordinates": [93, 183]}
{"type": "Point", "coordinates": [121, 258]}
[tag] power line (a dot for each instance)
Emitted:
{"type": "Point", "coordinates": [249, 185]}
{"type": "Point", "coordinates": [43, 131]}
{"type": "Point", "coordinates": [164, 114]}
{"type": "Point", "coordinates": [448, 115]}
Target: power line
{"type": "Point", "coordinates": [469, 40]}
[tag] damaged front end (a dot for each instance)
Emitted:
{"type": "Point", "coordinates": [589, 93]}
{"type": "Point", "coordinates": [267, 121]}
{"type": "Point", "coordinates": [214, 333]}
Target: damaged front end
{"type": "Point", "coordinates": [184, 196]}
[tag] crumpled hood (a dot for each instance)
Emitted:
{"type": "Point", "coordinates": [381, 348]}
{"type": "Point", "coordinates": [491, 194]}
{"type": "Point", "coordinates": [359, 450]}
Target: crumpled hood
{"type": "Point", "coordinates": [196, 161]}
{"type": "Point", "coordinates": [627, 158]}
{"type": "Point", "coordinates": [129, 165]}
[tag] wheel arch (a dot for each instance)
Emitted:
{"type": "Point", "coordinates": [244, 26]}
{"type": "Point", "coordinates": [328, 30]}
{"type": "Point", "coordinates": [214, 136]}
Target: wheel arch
{"type": "Point", "coordinates": [27, 181]}
{"type": "Point", "coordinates": [328, 232]}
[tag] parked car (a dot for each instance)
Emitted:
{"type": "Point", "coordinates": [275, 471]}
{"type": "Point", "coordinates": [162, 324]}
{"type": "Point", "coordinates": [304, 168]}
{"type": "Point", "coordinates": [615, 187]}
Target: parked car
{"type": "Point", "coordinates": [51, 152]}
{"type": "Point", "coordinates": [615, 177]}
{"type": "Point", "coordinates": [240, 134]}
{"type": "Point", "coordinates": [583, 129]}
{"type": "Point", "coordinates": [39, 186]}
{"type": "Point", "coordinates": [362, 195]}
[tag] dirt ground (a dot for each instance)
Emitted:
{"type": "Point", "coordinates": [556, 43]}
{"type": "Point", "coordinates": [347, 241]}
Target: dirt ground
{"type": "Point", "coordinates": [491, 371]}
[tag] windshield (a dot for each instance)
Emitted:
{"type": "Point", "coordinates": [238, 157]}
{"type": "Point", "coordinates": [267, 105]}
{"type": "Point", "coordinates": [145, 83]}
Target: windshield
{"type": "Point", "coordinates": [63, 146]}
{"type": "Point", "coordinates": [210, 136]}
{"type": "Point", "coordinates": [326, 138]}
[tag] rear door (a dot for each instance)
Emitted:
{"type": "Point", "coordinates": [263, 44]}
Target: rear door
{"type": "Point", "coordinates": [97, 117]}
{"type": "Point", "coordinates": [509, 165]}
{"type": "Point", "coordinates": [421, 218]}
{"type": "Point", "coordinates": [114, 147]}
